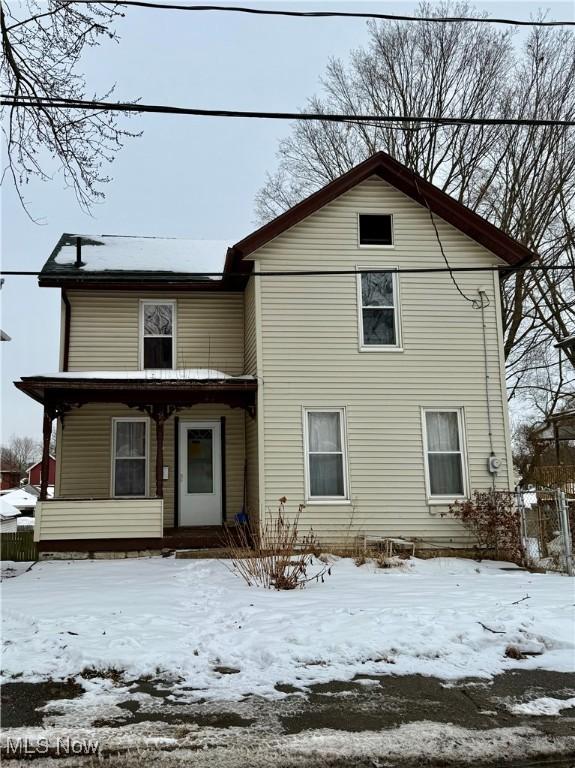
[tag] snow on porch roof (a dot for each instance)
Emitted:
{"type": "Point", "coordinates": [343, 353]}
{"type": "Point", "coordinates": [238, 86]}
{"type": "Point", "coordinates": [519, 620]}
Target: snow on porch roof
{"type": "Point", "coordinates": [117, 257]}
{"type": "Point", "coordinates": [168, 385]}
{"type": "Point", "coordinates": [150, 374]}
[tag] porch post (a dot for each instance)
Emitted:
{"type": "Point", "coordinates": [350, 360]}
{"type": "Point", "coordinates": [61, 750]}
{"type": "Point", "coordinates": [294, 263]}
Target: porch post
{"type": "Point", "coordinates": [46, 435]}
{"type": "Point", "coordinates": [159, 419]}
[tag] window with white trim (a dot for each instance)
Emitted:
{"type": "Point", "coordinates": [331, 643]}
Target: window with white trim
{"type": "Point", "coordinates": [378, 300]}
{"type": "Point", "coordinates": [157, 331]}
{"type": "Point", "coordinates": [444, 443]}
{"type": "Point", "coordinates": [130, 457]}
{"type": "Point", "coordinates": [326, 460]}
{"type": "Point", "coordinates": [375, 230]}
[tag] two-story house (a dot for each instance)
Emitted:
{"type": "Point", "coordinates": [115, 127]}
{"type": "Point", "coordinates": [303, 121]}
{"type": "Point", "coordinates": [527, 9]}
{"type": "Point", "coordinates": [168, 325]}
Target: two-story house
{"type": "Point", "coordinates": [337, 361]}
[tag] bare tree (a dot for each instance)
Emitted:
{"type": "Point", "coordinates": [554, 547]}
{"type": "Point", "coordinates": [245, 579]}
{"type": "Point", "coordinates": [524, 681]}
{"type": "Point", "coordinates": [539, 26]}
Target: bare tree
{"type": "Point", "coordinates": [42, 44]}
{"type": "Point", "coordinates": [521, 178]}
{"type": "Point", "coordinates": [20, 452]}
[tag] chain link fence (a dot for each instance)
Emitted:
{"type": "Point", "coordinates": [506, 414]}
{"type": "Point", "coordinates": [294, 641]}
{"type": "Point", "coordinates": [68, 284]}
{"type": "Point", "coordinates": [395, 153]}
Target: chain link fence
{"type": "Point", "coordinates": [547, 528]}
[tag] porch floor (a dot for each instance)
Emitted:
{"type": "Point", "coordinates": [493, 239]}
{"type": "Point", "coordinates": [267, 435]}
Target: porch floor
{"type": "Point", "coordinates": [194, 538]}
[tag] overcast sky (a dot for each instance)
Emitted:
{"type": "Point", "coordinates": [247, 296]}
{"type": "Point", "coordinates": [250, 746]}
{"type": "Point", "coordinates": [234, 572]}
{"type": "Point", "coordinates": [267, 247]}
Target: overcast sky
{"type": "Point", "coordinates": [186, 176]}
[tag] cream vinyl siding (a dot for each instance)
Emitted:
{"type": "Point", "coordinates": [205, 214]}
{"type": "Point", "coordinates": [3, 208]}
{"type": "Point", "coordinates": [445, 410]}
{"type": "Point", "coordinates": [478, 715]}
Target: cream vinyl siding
{"type": "Point", "coordinates": [310, 357]}
{"type": "Point", "coordinates": [105, 330]}
{"type": "Point", "coordinates": [250, 354]}
{"type": "Point", "coordinates": [98, 519]}
{"type": "Point", "coordinates": [251, 367]}
{"type": "Point", "coordinates": [86, 453]}
{"type": "Point", "coordinates": [252, 467]}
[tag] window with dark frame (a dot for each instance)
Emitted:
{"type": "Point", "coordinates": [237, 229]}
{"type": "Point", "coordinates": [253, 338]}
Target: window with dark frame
{"type": "Point", "coordinates": [375, 229]}
{"type": "Point", "coordinates": [158, 335]}
{"type": "Point", "coordinates": [378, 309]}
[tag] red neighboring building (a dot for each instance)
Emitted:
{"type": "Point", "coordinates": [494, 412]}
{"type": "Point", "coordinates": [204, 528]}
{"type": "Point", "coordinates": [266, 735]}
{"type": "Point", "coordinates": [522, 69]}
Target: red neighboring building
{"type": "Point", "coordinates": [9, 478]}
{"type": "Point", "coordinates": [35, 472]}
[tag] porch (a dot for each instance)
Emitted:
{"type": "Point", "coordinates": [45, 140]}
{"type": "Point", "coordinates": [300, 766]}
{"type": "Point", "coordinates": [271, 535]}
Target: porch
{"type": "Point", "coordinates": [136, 526]}
{"type": "Point", "coordinates": [154, 460]}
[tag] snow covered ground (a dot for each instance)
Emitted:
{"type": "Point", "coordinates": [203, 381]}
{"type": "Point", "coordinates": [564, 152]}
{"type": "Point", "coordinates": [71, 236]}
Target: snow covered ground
{"type": "Point", "coordinates": [198, 625]}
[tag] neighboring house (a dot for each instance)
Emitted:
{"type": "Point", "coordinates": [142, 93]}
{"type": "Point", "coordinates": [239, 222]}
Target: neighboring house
{"type": "Point", "coordinates": [374, 398]}
{"type": "Point", "coordinates": [8, 517]}
{"type": "Point", "coordinates": [35, 472]}
{"type": "Point", "coordinates": [9, 478]}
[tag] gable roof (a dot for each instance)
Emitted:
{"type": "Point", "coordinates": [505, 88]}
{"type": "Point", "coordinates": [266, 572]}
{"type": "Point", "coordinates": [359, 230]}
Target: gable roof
{"type": "Point", "coordinates": [118, 261]}
{"type": "Point", "coordinates": [38, 463]}
{"type": "Point", "coordinates": [402, 178]}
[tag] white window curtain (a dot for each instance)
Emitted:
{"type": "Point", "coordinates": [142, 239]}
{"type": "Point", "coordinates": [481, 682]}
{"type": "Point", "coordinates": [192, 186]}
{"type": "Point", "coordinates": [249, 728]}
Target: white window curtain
{"type": "Point", "coordinates": [325, 454]}
{"type": "Point", "coordinates": [444, 453]}
{"type": "Point", "coordinates": [130, 458]}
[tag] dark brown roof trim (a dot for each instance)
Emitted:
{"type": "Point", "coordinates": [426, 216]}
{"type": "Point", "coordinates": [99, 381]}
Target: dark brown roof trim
{"type": "Point", "coordinates": [43, 389]}
{"type": "Point", "coordinates": [134, 282]}
{"type": "Point", "coordinates": [406, 181]}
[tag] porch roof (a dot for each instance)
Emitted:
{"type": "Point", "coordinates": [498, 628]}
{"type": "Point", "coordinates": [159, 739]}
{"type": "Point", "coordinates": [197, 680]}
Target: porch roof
{"type": "Point", "coordinates": [178, 387]}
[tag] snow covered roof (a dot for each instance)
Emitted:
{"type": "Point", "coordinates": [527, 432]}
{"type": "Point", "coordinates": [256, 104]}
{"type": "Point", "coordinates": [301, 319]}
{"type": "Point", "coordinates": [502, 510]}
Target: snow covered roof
{"type": "Point", "coordinates": [116, 257]}
{"type": "Point", "coordinates": [186, 382]}
{"type": "Point", "coordinates": [7, 510]}
{"type": "Point", "coordinates": [152, 374]}
{"type": "Point", "coordinates": [19, 499]}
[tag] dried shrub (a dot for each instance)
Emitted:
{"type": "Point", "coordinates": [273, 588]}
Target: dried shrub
{"type": "Point", "coordinates": [494, 522]}
{"type": "Point", "coordinates": [352, 542]}
{"type": "Point", "coordinates": [383, 560]}
{"type": "Point", "coordinates": [278, 557]}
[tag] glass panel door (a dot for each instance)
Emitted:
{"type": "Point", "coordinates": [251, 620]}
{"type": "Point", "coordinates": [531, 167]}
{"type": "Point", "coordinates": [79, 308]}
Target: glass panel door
{"type": "Point", "coordinates": [200, 452]}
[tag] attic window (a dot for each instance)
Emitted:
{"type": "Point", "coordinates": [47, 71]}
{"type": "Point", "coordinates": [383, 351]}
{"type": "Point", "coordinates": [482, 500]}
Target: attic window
{"type": "Point", "coordinates": [375, 229]}
{"type": "Point", "coordinates": [157, 342]}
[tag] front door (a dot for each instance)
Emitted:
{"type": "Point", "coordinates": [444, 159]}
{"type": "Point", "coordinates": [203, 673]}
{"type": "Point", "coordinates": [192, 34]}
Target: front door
{"type": "Point", "coordinates": [200, 473]}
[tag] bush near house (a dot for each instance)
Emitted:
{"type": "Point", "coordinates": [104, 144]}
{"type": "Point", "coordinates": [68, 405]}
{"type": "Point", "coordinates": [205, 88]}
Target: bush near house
{"type": "Point", "coordinates": [494, 522]}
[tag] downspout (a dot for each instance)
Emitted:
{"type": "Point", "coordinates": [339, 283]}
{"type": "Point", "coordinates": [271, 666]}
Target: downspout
{"type": "Point", "coordinates": [67, 319]}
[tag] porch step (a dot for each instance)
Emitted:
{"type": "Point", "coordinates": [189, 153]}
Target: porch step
{"type": "Point", "coordinates": [203, 537]}
{"type": "Point", "coordinates": [217, 553]}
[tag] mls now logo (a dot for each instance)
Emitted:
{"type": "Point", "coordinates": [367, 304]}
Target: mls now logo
{"type": "Point", "coordinates": [61, 747]}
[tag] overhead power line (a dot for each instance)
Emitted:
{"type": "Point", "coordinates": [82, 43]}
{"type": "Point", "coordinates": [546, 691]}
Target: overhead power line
{"type": "Point", "coordinates": [109, 106]}
{"type": "Point", "coordinates": [322, 272]}
{"type": "Point", "coordinates": [332, 14]}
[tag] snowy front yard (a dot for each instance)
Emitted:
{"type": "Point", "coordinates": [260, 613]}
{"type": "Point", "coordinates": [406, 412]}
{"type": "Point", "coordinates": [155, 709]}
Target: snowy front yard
{"type": "Point", "coordinates": [197, 624]}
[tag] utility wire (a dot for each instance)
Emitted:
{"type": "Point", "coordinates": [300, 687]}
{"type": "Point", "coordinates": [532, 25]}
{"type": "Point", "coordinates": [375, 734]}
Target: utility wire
{"type": "Point", "coordinates": [107, 106]}
{"type": "Point", "coordinates": [315, 272]}
{"type": "Point", "coordinates": [330, 14]}
{"type": "Point", "coordinates": [474, 302]}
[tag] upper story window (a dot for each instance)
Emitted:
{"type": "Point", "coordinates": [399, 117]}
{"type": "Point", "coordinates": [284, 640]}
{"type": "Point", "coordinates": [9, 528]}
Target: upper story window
{"type": "Point", "coordinates": [375, 230]}
{"type": "Point", "coordinates": [444, 442]}
{"type": "Point", "coordinates": [378, 304]}
{"type": "Point", "coordinates": [157, 342]}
